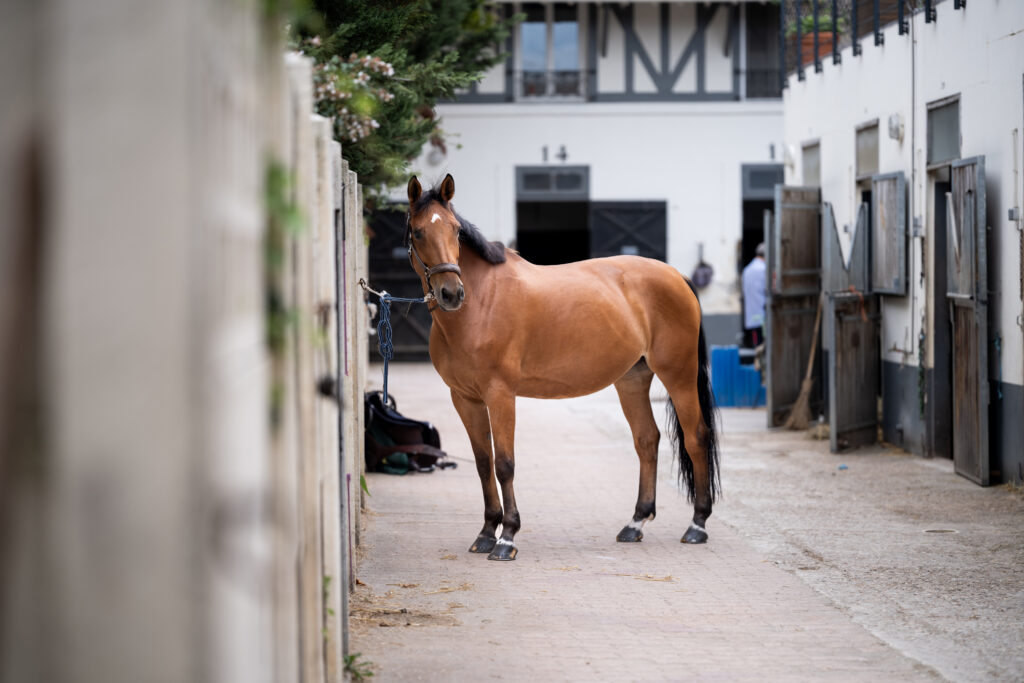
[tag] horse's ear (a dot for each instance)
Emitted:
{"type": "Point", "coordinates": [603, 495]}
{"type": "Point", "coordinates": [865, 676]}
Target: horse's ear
{"type": "Point", "coordinates": [448, 188]}
{"type": "Point", "coordinates": [414, 190]}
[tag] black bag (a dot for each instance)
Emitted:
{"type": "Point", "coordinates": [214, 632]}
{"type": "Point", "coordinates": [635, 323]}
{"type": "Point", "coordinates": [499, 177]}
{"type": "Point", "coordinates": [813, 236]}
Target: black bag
{"type": "Point", "coordinates": [396, 444]}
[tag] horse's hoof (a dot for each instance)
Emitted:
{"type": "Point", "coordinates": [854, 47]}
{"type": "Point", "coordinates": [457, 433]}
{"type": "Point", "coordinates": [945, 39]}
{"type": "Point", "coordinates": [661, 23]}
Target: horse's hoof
{"type": "Point", "coordinates": [695, 534]}
{"type": "Point", "coordinates": [503, 551]}
{"type": "Point", "coordinates": [630, 534]}
{"type": "Point", "coordinates": [482, 544]}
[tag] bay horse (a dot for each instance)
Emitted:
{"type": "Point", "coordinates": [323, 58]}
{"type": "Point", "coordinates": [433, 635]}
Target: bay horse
{"type": "Point", "coordinates": [504, 327]}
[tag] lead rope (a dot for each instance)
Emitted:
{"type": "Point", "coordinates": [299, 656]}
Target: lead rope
{"type": "Point", "coordinates": [384, 345]}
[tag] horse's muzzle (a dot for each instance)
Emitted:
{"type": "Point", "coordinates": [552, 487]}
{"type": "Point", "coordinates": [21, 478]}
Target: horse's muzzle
{"type": "Point", "coordinates": [450, 296]}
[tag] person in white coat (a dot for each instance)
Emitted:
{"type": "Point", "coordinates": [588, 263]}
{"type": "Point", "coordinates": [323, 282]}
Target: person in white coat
{"type": "Point", "coordinates": [755, 292]}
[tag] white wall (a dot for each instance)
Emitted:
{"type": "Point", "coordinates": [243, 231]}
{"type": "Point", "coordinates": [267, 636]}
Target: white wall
{"type": "Point", "coordinates": [688, 154]}
{"type": "Point", "coordinates": [977, 53]}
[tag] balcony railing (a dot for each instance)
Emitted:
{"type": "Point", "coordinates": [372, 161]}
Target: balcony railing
{"type": "Point", "coordinates": [568, 84]}
{"type": "Point", "coordinates": [813, 31]}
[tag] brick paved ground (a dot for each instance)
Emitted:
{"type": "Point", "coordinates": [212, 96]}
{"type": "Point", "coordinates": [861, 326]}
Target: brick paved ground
{"type": "Point", "coordinates": [576, 605]}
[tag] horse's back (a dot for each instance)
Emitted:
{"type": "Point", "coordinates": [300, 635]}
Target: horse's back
{"type": "Point", "coordinates": [583, 325]}
{"type": "Point", "coordinates": [645, 283]}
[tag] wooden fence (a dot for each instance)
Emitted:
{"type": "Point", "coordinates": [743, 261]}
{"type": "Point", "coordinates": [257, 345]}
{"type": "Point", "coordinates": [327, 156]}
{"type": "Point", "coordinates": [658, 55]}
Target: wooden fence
{"type": "Point", "coordinates": [178, 499]}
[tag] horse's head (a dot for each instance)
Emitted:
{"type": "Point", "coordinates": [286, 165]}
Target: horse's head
{"type": "Point", "coordinates": [432, 236]}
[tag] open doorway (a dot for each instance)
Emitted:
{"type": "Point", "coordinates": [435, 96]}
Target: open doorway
{"type": "Point", "coordinates": [758, 183]}
{"type": "Point", "coordinates": [940, 407]}
{"type": "Point", "coordinates": [548, 233]}
{"type": "Point", "coordinates": [553, 213]}
{"type": "Point", "coordinates": [753, 228]}
{"type": "Point", "coordinates": [943, 147]}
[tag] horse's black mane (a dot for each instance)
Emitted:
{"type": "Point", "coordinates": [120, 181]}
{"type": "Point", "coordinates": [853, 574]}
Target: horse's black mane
{"type": "Point", "coordinates": [469, 234]}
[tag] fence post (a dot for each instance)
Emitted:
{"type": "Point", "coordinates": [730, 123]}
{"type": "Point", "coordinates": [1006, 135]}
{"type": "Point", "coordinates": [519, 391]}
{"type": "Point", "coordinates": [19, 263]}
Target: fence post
{"type": "Point", "coordinates": [327, 415]}
{"type": "Point", "coordinates": [352, 402]}
{"type": "Point", "coordinates": [363, 343]}
{"type": "Point", "coordinates": [308, 464]}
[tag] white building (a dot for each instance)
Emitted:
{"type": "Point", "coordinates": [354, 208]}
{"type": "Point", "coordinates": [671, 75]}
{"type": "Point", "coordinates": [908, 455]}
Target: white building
{"type": "Point", "coordinates": [929, 93]}
{"type": "Point", "coordinates": [650, 128]}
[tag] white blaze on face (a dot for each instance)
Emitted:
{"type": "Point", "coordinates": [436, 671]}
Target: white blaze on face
{"type": "Point", "coordinates": [435, 218]}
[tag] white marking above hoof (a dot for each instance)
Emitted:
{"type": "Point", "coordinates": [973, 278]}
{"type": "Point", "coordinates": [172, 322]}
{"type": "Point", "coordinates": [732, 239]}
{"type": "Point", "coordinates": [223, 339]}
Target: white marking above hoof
{"type": "Point", "coordinates": [435, 218]}
{"type": "Point", "coordinates": [502, 541]}
{"type": "Point", "coordinates": [698, 527]}
{"type": "Point", "coordinates": [639, 525]}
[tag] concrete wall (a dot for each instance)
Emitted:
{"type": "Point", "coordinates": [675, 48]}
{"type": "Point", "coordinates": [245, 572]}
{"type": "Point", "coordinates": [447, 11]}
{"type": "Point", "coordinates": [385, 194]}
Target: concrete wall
{"type": "Point", "coordinates": [978, 54]}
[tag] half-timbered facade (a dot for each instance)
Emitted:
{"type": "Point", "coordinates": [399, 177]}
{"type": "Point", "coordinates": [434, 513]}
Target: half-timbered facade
{"type": "Point", "coordinates": [625, 128]}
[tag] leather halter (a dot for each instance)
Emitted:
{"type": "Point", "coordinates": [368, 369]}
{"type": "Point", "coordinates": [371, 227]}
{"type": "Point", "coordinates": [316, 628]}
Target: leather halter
{"type": "Point", "coordinates": [428, 270]}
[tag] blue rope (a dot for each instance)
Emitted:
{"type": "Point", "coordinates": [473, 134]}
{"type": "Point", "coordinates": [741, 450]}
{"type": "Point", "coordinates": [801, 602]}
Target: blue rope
{"type": "Point", "coordinates": [384, 345]}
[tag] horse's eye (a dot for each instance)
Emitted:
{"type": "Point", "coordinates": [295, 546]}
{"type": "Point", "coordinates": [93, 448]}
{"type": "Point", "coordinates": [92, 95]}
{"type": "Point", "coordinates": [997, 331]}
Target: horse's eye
{"type": "Point", "coordinates": [417, 234]}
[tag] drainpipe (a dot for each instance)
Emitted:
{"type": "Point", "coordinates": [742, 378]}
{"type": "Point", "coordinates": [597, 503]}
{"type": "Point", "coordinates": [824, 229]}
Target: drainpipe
{"type": "Point", "coordinates": [918, 213]}
{"type": "Point", "coordinates": [1016, 217]}
{"type": "Point", "coordinates": [917, 236]}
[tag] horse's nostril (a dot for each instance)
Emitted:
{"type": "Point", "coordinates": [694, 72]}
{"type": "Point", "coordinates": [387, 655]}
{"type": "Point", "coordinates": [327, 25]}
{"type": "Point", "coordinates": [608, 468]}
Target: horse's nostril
{"type": "Point", "coordinates": [462, 292]}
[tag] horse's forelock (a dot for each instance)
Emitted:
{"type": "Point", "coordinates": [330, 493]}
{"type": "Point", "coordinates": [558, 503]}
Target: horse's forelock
{"type": "Point", "coordinates": [425, 200]}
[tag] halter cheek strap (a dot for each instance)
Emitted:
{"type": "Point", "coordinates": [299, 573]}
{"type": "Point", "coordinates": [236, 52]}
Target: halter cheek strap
{"type": "Point", "coordinates": [433, 270]}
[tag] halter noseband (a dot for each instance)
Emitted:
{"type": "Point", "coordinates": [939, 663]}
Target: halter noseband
{"type": "Point", "coordinates": [428, 270]}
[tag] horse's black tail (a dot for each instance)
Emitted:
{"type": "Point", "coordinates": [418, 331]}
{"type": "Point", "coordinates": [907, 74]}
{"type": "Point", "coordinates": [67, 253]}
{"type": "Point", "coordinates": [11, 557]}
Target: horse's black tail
{"type": "Point", "coordinates": [709, 416]}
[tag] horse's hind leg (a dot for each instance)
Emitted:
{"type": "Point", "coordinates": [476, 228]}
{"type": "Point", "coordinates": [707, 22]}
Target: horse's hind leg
{"type": "Point", "coordinates": [691, 433]}
{"type": "Point", "coordinates": [634, 390]}
{"type": "Point", "coordinates": [474, 417]}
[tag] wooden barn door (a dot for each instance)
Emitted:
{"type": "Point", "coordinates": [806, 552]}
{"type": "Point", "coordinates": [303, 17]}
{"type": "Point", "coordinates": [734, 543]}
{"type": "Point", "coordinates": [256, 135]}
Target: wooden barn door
{"type": "Point", "coordinates": [854, 367]}
{"type": "Point", "coordinates": [850, 327]}
{"type": "Point", "coordinates": [636, 228]}
{"type": "Point", "coordinates": [967, 282]}
{"type": "Point", "coordinates": [794, 272]}
{"type": "Point", "coordinates": [889, 234]}
{"type": "Point", "coordinates": [390, 270]}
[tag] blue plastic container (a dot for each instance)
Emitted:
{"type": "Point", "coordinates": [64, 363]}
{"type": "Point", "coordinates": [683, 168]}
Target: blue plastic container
{"type": "Point", "coordinates": [734, 385]}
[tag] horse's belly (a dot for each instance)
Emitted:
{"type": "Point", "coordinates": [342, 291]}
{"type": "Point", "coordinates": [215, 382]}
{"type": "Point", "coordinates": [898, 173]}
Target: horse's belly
{"type": "Point", "coordinates": [574, 375]}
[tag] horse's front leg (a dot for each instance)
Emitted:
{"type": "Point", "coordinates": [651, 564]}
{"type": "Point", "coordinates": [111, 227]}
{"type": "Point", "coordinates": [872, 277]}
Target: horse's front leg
{"type": "Point", "coordinates": [474, 417]}
{"type": "Point", "coordinates": [502, 408]}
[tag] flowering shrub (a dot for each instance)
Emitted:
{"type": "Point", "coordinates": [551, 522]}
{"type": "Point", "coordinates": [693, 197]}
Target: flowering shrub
{"type": "Point", "coordinates": [352, 92]}
{"type": "Point", "coordinates": [401, 59]}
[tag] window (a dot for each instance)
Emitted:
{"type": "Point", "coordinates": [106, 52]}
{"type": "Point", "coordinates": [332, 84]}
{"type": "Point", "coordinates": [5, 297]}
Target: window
{"type": "Point", "coordinates": [549, 49]}
{"type": "Point", "coordinates": [867, 150]}
{"type": "Point", "coordinates": [762, 24]}
{"type": "Point", "coordinates": [552, 183]}
{"type": "Point", "coordinates": [812, 164]}
{"type": "Point", "coordinates": [944, 133]}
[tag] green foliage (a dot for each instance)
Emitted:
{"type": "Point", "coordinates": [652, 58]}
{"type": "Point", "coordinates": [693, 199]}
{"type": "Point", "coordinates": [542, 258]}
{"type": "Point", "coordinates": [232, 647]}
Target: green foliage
{"type": "Point", "coordinates": [362, 484]}
{"type": "Point", "coordinates": [825, 24]}
{"type": "Point", "coordinates": [284, 218]}
{"type": "Point", "coordinates": [358, 670]}
{"type": "Point", "coordinates": [382, 66]}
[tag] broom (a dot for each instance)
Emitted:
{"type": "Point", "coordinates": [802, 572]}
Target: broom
{"type": "Point", "coordinates": [800, 415]}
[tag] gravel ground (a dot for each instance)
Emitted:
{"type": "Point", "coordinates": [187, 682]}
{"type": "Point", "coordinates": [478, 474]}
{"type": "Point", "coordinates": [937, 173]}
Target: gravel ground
{"type": "Point", "coordinates": [926, 560]}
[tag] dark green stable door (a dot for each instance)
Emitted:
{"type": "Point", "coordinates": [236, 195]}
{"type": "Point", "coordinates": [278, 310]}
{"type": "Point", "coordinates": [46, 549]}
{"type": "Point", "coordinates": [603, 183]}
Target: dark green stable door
{"type": "Point", "coordinates": [634, 228]}
{"type": "Point", "coordinates": [390, 270]}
